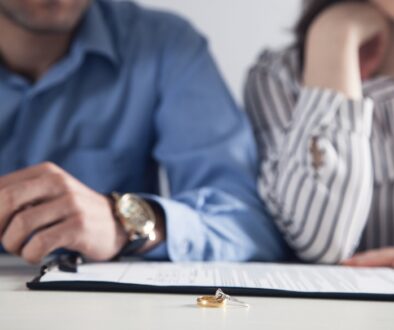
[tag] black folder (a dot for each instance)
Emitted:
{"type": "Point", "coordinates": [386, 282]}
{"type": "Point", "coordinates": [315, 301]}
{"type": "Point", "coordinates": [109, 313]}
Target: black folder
{"type": "Point", "coordinates": [242, 279]}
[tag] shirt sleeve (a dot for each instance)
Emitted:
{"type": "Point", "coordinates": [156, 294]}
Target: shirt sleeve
{"type": "Point", "coordinates": [206, 146]}
{"type": "Point", "coordinates": [321, 210]}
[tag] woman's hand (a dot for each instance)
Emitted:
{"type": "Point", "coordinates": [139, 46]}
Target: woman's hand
{"type": "Point", "coordinates": [374, 258]}
{"type": "Point", "coordinates": [346, 44]}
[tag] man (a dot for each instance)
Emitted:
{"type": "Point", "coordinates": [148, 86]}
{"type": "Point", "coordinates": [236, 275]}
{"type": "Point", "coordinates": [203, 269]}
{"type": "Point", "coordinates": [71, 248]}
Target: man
{"type": "Point", "coordinates": [109, 92]}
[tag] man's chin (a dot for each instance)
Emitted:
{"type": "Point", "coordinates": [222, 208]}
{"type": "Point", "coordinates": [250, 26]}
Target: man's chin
{"type": "Point", "coordinates": [44, 19]}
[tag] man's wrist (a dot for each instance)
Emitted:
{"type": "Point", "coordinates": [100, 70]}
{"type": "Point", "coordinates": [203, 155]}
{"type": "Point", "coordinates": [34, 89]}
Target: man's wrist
{"type": "Point", "coordinates": [132, 242]}
{"type": "Point", "coordinates": [160, 229]}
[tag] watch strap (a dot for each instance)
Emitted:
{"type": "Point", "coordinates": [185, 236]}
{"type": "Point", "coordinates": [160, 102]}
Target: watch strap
{"type": "Point", "coordinates": [132, 247]}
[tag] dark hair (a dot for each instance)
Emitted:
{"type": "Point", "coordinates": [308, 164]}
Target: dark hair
{"type": "Point", "coordinates": [310, 11]}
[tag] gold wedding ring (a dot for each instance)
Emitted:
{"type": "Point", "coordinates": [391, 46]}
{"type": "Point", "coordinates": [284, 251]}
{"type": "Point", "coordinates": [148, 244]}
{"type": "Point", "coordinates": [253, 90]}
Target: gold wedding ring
{"type": "Point", "coordinates": [219, 300]}
{"type": "Point", "coordinates": [210, 302]}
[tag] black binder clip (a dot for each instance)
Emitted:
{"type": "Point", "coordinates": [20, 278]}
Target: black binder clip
{"type": "Point", "coordinates": [66, 263]}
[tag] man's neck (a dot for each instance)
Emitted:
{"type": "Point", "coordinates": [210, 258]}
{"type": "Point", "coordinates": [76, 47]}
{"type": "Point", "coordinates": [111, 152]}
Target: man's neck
{"type": "Point", "coordinates": [27, 53]}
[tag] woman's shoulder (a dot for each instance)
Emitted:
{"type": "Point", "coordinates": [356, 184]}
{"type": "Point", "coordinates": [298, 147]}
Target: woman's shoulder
{"type": "Point", "coordinates": [279, 62]}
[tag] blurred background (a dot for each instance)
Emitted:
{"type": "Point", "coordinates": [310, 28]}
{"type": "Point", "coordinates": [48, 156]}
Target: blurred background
{"type": "Point", "coordinates": [238, 30]}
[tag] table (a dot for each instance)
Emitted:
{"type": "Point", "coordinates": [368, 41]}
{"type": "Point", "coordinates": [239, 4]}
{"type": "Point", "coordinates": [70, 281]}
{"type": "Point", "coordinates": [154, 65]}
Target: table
{"type": "Point", "coordinates": [24, 309]}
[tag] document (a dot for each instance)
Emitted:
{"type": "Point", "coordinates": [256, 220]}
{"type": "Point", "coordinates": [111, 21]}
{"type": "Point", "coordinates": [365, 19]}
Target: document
{"type": "Point", "coordinates": [251, 276]}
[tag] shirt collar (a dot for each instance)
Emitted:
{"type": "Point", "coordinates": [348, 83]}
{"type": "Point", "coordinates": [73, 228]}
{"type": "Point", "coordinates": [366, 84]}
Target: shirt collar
{"type": "Point", "coordinates": [94, 36]}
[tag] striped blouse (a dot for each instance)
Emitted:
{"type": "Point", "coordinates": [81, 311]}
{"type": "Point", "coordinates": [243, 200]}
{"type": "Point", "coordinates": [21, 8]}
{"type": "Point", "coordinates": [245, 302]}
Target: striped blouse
{"type": "Point", "coordinates": [346, 204]}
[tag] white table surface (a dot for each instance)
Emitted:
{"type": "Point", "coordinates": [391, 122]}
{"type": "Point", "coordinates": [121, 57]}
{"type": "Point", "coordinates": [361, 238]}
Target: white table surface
{"type": "Point", "coordinates": [21, 308]}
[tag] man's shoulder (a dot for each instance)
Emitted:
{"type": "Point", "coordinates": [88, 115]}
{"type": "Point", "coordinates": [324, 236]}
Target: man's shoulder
{"type": "Point", "coordinates": [128, 17]}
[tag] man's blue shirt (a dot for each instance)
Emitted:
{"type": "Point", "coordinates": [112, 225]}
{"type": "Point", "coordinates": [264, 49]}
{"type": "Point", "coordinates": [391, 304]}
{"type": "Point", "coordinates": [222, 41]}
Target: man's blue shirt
{"type": "Point", "coordinates": [138, 90]}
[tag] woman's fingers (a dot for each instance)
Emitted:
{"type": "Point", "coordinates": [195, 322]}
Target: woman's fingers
{"type": "Point", "coordinates": [373, 258]}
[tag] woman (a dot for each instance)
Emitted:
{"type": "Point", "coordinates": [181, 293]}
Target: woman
{"type": "Point", "coordinates": [323, 114]}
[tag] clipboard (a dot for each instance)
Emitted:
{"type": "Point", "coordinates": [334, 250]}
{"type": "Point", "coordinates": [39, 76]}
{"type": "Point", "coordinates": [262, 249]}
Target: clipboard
{"type": "Point", "coordinates": [241, 279]}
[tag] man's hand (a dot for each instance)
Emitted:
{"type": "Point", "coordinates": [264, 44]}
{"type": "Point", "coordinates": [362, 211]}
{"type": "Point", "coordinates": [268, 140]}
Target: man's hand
{"type": "Point", "coordinates": [373, 258]}
{"type": "Point", "coordinates": [347, 43]}
{"type": "Point", "coordinates": [43, 208]}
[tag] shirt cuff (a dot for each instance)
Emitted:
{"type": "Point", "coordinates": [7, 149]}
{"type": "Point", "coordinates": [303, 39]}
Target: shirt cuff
{"type": "Point", "coordinates": [325, 109]}
{"type": "Point", "coordinates": [159, 252]}
{"type": "Point", "coordinates": [185, 238]}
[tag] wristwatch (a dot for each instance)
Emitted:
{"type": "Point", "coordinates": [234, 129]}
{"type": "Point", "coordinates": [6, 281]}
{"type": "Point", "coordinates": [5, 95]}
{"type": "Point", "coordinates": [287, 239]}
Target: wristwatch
{"type": "Point", "coordinates": [135, 215]}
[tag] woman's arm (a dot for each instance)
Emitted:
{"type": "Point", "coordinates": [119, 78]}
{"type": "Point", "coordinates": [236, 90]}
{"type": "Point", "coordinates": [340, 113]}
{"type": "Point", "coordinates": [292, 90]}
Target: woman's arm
{"type": "Point", "coordinates": [335, 46]}
{"type": "Point", "coordinates": [316, 173]}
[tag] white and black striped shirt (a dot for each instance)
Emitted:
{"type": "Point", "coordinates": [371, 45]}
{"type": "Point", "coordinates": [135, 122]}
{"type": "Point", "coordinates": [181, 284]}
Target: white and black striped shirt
{"type": "Point", "coordinates": [346, 204]}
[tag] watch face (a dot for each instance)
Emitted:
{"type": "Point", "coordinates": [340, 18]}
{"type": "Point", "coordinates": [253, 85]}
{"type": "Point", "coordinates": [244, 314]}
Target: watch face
{"type": "Point", "coordinates": [135, 215]}
{"type": "Point", "coordinates": [127, 208]}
